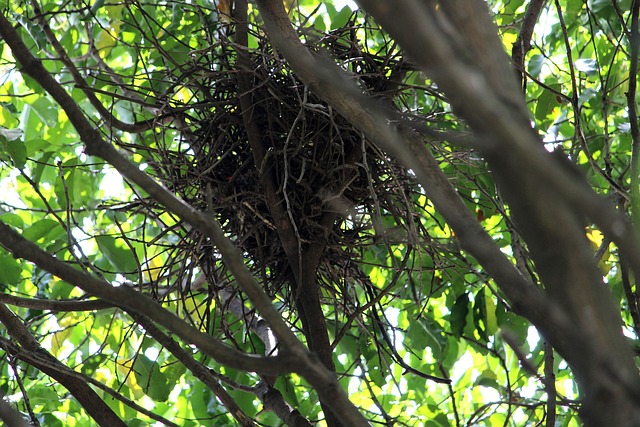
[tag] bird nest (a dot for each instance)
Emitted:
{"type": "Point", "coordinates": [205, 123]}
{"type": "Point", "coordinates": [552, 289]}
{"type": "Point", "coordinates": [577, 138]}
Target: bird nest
{"type": "Point", "coordinates": [332, 183]}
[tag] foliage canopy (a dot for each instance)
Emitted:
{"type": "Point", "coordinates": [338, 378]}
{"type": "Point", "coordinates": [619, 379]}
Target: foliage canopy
{"type": "Point", "coordinates": [194, 193]}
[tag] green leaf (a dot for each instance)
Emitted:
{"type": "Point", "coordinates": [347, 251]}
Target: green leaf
{"type": "Point", "coordinates": [458, 317]}
{"type": "Point", "coordinates": [340, 19]}
{"type": "Point", "coordinates": [9, 115]}
{"type": "Point", "coordinates": [49, 419]}
{"type": "Point", "coordinates": [41, 167]}
{"type": "Point", "coordinates": [119, 257]}
{"type": "Point", "coordinates": [490, 313]}
{"type": "Point", "coordinates": [425, 332]}
{"type": "Point", "coordinates": [535, 65]}
{"type": "Point", "coordinates": [488, 378]}
{"type": "Point", "coordinates": [45, 229]}
{"type": "Point", "coordinates": [287, 388]}
{"type": "Point", "coordinates": [94, 362]}
{"type": "Point", "coordinates": [151, 380]}
{"type": "Point", "coordinates": [33, 29]}
{"type": "Point", "coordinates": [12, 219]}
{"type": "Point", "coordinates": [547, 101]}
{"type": "Point", "coordinates": [174, 371]}
{"type": "Point", "coordinates": [514, 325]}
{"type": "Point", "coordinates": [10, 270]}
{"type": "Point", "coordinates": [377, 375]}
{"type": "Point", "coordinates": [46, 110]}
{"type": "Point", "coordinates": [479, 315]}
{"type": "Point", "coordinates": [16, 151]}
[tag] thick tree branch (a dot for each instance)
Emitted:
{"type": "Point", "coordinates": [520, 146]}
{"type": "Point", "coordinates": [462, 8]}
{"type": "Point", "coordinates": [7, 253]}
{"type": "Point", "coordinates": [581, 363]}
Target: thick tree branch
{"type": "Point", "coordinates": [303, 264]}
{"type": "Point", "coordinates": [90, 401]}
{"type": "Point", "coordinates": [303, 260]}
{"type": "Point", "coordinates": [10, 416]}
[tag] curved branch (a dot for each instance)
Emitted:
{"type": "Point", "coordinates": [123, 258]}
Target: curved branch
{"type": "Point", "coordinates": [82, 84]}
{"type": "Point", "coordinates": [124, 296]}
{"type": "Point", "coordinates": [55, 306]}
{"type": "Point", "coordinates": [523, 42]}
{"type": "Point", "coordinates": [41, 362]}
{"type": "Point", "coordinates": [90, 401]}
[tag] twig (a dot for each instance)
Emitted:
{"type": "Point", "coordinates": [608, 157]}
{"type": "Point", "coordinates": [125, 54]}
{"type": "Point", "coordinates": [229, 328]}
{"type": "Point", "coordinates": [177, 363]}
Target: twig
{"type": "Point", "coordinates": [634, 45]}
{"type": "Point", "coordinates": [550, 385]}
{"type": "Point", "coordinates": [55, 306]}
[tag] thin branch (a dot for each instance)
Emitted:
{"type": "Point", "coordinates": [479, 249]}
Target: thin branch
{"type": "Point", "coordinates": [550, 385]}
{"type": "Point", "coordinates": [452, 395]}
{"type": "Point", "coordinates": [80, 81]}
{"type": "Point", "coordinates": [634, 45]}
{"type": "Point", "coordinates": [523, 42]}
{"type": "Point", "coordinates": [632, 297]}
{"type": "Point", "coordinates": [25, 396]}
{"type": "Point", "coordinates": [55, 306]}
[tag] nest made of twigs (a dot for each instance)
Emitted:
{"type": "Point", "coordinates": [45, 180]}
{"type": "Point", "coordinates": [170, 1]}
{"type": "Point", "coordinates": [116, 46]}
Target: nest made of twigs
{"type": "Point", "coordinates": [319, 162]}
